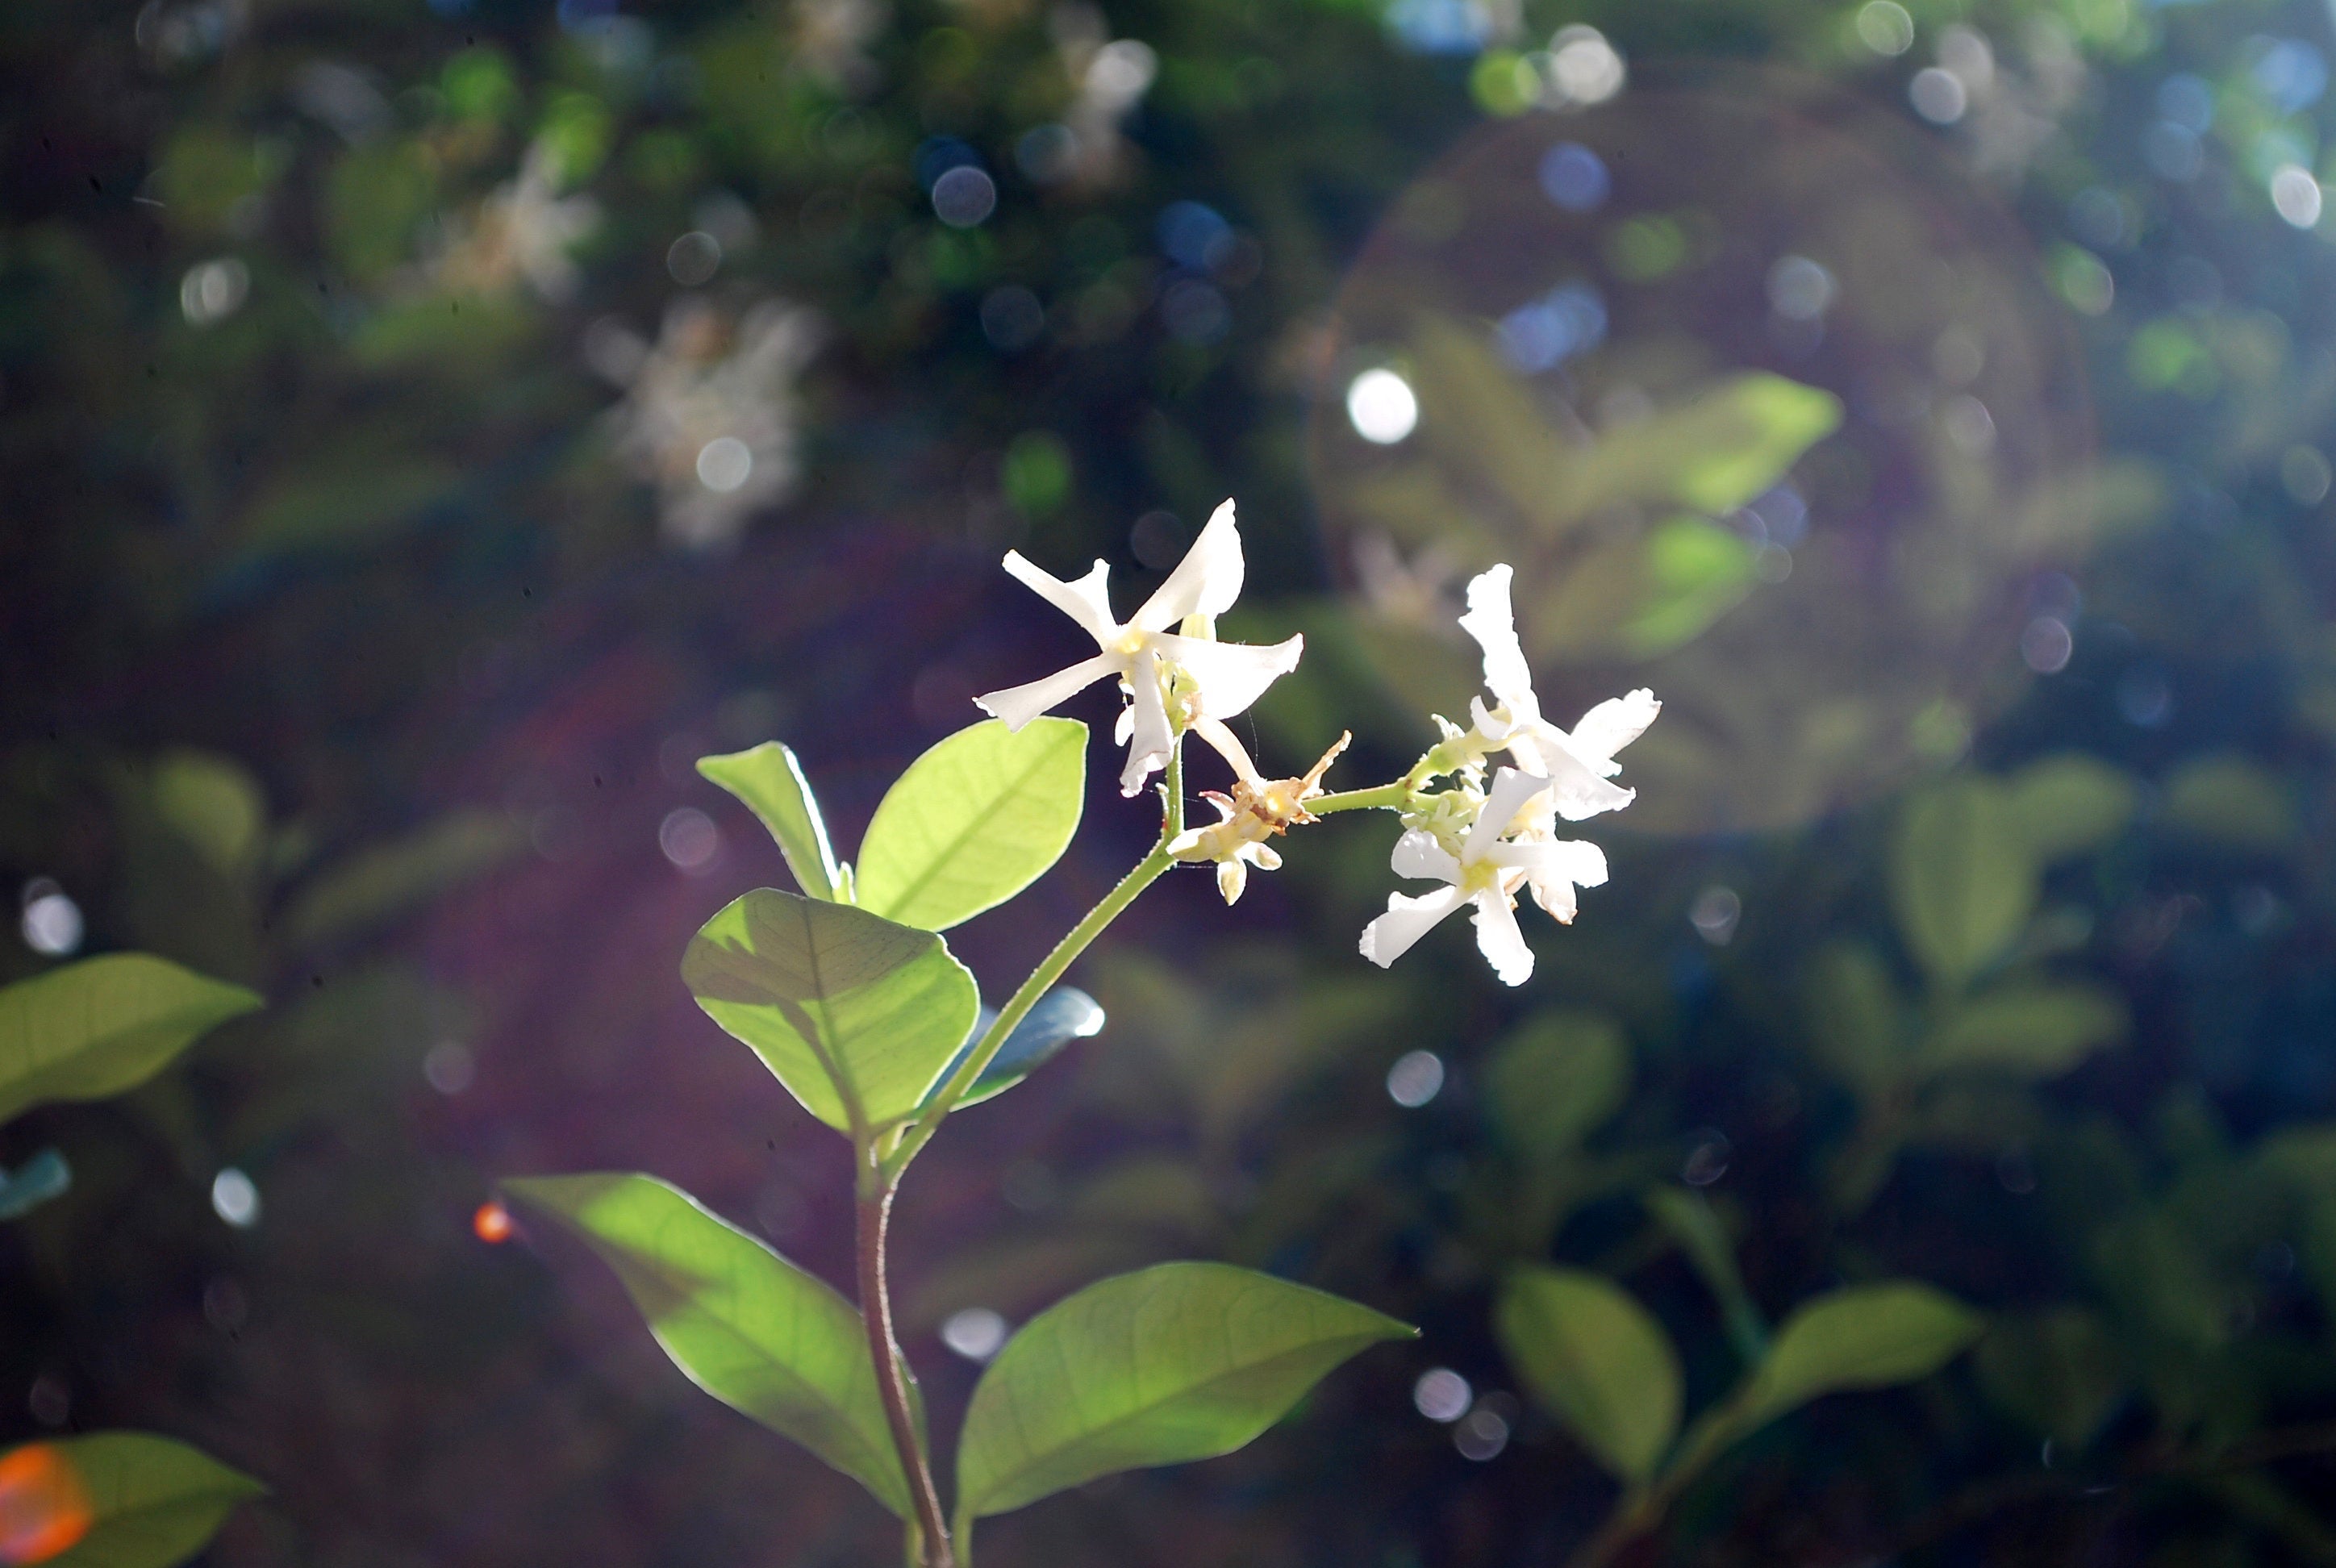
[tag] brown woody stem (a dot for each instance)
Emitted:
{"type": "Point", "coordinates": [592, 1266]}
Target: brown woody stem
{"type": "Point", "coordinates": [875, 1214]}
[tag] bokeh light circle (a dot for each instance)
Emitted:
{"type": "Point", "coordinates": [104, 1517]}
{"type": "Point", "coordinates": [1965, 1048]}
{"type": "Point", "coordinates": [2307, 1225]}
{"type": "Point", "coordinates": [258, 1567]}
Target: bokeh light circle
{"type": "Point", "coordinates": [1786, 424]}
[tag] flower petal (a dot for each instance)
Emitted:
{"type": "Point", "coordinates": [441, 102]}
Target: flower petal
{"type": "Point", "coordinates": [1490, 621]}
{"type": "Point", "coordinates": [1496, 728]}
{"type": "Point", "coordinates": [1230, 674]}
{"type": "Point", "coordinates": [1229, 747]}
{"type": "Point", "coordinates": [1500, 940]}
{"type": "Point", "coordinates": [1407, 918]}
{"type": "Point", "coordinates": [1511, 793]}
{"type": "Point", "coordinates": [1018, 704]}
{"type": "Point", "coordinates": [1232, 877]}
{"type": "Point", "coordinates": [1614, 725]}
{"type": "Point", "coordinates": [1417, 854]}
{"type": "Point", "coordinates": [1086, 600]}
{"type": "Point", "coordinates": [1561, 868]}
{"type": "Point", "coordinates": [1577, 789]}
{"type": "Point", "coordinates": [1150, 741]}
{"type": "Point", "coordinates": [1556, 896]}
{"type": "Point", "coordinates": [1205, 582]}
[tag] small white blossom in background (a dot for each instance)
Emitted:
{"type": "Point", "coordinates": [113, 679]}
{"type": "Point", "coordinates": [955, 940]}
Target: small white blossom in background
{"type": "Point", "coordinates": [1577, 764]}
{"type": "Point", "coordinates": [1487, 873]}
{"type": "Point", "coordinates": [1109, 77]}
{"type": "Point", "coordinates": [1210, 679]}
{"type": "Point", "coordinates": [1417, 592]}
{"type": "Point", "coordinates": [829, 41]}
{"type": "Point", "coordinates": [710, 415]}
{"type": "Point", "coordinates": [523, 231]}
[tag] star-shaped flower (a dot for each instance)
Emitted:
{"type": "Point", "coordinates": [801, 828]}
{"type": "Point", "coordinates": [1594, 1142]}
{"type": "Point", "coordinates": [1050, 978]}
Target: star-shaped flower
{"type": "Point", "coordinates": [1212, 679]}
{"type": "Point", "coordinates": [1579, 764]}
{"type": "Point", "coordinates": [1488, 873]}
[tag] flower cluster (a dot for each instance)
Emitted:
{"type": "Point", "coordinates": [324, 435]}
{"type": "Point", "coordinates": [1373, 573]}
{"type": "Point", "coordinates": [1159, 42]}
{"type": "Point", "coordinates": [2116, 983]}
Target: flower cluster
{"type": "Point", "coordinates": [1486, 840]}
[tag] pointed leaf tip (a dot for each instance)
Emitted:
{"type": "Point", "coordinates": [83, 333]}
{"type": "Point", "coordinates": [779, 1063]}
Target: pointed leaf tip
{"type": "Point", "coordinates": [770, 780]}
{"type": "Point", "coordinates": [758, 1333]}
{"type": "Point", "coordinates": [104, 1025]}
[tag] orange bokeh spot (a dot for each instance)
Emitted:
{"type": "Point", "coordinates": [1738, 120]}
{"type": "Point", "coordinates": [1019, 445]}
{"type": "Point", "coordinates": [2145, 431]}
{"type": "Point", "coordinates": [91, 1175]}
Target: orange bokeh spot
{"type": "Point", "coordinates": [44, 1508]}
{"type": "Point", "coordinates": [492, 1221]}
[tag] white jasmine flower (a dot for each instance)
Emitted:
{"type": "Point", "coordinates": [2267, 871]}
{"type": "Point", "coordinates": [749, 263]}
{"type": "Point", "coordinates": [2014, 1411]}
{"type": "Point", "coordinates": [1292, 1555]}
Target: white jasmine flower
{"type": "Point", "coordinates": [1212, 679]}
{"type": "Point", "coordinates": [1487, 873]}
{"type": "Point", "coordinates": [711, 413]}
{"type": "Point", "coordinates": [1578, 765]}
{"type": "Point", "coordinates": [525, 230]}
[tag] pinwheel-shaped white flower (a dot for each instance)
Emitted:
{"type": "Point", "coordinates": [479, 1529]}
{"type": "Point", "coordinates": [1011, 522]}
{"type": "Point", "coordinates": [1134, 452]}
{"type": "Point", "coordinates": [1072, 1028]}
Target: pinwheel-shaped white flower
{"type": "Point", "coordinates": [1488, 873]}
{"type": "Point", "coordinates": [1214, 679]}
{"type": "Point", "coordinates": [1580, 766]}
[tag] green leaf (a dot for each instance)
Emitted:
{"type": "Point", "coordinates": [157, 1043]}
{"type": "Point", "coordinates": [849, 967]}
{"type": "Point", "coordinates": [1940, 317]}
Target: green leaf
{"type": "Point", "coordinates": [152, 1502]}
{"type": "Point", "coordinates": [1714, 451]}
{"type": "Point", "coordinates": [2028, 1031]}
{"type": "Point", "coordinates": [215, 804]}
{"type": "Point", "coordinates": [104, 1025]}
{"type": "Point", "coordinates": [1853, 1017]}
{"type": "Point", "coordinates": [1063, 1015]}
{"type": "Point", "coordinates": [1692, 573]}
{"type": "Point", "coordinates": [1597, 1361]}
{"type": "Point", "coordinates": [851, 1012]}
{"type": "Point", "coordinates": [771, 781]}
{"type": "Point", "coordinates": [1691, 1220]}
{"type": "Point", "coordinates": [745, 1325]}
{"type": "Point", "coordinates": [2058, 1370]}
{"type": "Point", "coordinates": [1863, 1337]}
{"type": "Point", "coordinates": [2230, 801]}
{"type": "Point", "coordinates": [973, 822]}
{"type": "Point", "coordinates": [377, 884]}
{"type": "Point", "coordinates": [1555, 1078]}
{"type": "Point", "coordinates": [1962, 880]}
{"type": "Point", "coordinates": [1769, 421]}
{"type": "Point", "coordinates": [2070, 803]}
{"type": "Point", "coordinates": [1172, 1363]}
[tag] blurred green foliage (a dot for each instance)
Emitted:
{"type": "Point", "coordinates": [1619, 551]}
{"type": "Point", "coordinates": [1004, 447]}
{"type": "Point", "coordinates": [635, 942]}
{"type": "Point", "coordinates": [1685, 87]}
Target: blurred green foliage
{"type": "Point", "coordinates": [356, 426]}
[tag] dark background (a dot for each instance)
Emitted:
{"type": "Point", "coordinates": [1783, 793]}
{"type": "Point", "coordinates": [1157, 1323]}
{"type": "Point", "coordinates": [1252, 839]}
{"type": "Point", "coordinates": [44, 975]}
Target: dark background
{"type": "Point", "coordinates": [362, 613]}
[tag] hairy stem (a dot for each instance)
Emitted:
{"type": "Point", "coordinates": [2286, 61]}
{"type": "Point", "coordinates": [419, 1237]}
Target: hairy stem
{"type": "Point", "coordinates": [1391, 797]}
{"type": "Point", "coordinates": [874, 1216]}
{"type": "Point", "coordinates": [1146, 871]}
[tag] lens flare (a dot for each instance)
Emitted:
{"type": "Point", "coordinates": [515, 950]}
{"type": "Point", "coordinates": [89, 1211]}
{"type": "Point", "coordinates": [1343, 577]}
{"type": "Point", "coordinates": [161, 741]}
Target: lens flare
{"type": "Point", "coordinates": [492, 1223]}
{"type": "Point", "coordinates": [44, 1508]}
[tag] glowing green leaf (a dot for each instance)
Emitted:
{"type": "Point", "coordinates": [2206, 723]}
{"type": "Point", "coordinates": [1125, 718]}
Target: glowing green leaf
{"type": "Point", "coordinates": [1178, 1362]}
{"type": "Point", "coordinates": [104, 1025]}
{"type": "Point", "coordinates": [748, 1327]}
{"type": "Point", "coordinates": [973, 822]}
{"type": "Point", "coordinates": [855, 1014]}
{"type": "Point", "coordinates": [771, 781]}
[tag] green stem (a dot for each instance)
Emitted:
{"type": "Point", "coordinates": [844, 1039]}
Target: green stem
{"type": "Point", "coordinates": [1146, 871]}
{"type": "Point", "coordinates": [1389, 797]}
{"type": "Point", "coordinates": [1641, 1509]}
